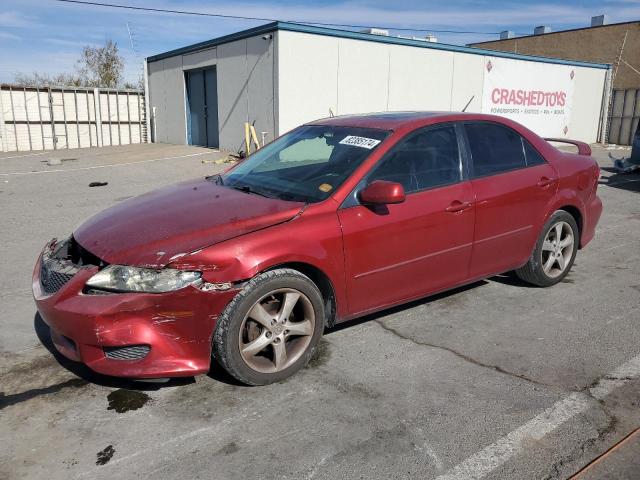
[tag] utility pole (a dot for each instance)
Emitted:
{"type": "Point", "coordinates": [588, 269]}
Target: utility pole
{"type": "Point", "coordinates": [135, 53]}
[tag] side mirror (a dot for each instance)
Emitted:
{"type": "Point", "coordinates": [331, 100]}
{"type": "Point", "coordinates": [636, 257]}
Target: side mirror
{"type": "Point", "coordinates": [381, 192]}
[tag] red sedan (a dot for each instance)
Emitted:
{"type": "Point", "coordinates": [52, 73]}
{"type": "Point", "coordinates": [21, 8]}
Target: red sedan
{"type": "Point", "coordinates": [336, 219]}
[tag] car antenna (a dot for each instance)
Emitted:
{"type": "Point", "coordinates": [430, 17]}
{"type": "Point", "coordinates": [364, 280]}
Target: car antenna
{"type": "Point", "coordinates": [468, 103]}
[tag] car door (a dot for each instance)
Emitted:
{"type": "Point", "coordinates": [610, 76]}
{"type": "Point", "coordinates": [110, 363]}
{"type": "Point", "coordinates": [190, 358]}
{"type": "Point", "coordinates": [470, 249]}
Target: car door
{"type": "Point", "coordinates": [402, 251]}
{"type": "Point", "coordinates": [513, 187]}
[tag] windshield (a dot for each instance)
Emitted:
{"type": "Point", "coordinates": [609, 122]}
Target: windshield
{"type": "Point", "coordinates": [307, 164]}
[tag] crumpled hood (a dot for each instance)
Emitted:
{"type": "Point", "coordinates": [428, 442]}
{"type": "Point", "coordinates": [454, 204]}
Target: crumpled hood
{"type": "Point", "coordinates": [155, 228]}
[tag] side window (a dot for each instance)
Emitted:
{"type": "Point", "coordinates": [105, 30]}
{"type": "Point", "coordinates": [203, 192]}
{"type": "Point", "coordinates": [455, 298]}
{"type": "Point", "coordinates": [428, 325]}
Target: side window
{"type": "Point", "coordinates": [425, 159]}
{"type": "Point", "coordinates": [531, 154]}
{"type": "Point", "coordinates": [494, 149]}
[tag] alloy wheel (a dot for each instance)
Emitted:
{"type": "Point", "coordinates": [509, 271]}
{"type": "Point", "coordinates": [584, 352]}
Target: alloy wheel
{"type": "Point", "coordinates": [277, 330]}
{"type": "Point", "coordinates": [557, 249]}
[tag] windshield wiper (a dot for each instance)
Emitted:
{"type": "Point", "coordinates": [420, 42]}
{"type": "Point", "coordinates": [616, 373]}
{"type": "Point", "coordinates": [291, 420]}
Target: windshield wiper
{"type": "Point", "coordinates": [248, 189]}
{"type": "Point", "coordinates": [292, 197]}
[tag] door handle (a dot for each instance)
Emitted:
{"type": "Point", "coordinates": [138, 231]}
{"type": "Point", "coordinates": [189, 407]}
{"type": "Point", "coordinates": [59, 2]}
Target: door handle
{"type": "Point", "coordinates": [546, 181]}
{"type": "Point", "coordinates": [458, 206]}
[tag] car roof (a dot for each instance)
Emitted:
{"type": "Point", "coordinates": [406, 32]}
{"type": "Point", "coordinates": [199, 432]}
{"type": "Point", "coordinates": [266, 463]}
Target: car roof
{"type": "Point", "coordinates": [401, 120]}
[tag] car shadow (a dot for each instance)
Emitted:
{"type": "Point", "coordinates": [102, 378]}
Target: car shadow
{"type": "Point", "coordinates": [510, 278]}
{"type": "Point", "coordinates": [624, 181]}
{"type": "Point", "coordinates": [85, 373]}
{"type": "Point", "coordinates": [219, 374]}
{"type": "Point", "coordinates": [405, 306]}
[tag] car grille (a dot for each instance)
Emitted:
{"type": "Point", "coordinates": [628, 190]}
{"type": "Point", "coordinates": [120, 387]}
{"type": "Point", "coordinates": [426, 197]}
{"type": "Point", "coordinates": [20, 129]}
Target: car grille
{"type": "Point", "coordinates": [61, 262]}
{"type": "Point", "coordinates": [132, 352]}
{"type": "Point", "coordinates": [80, 256]}
{"type": "Point", "coordinates": [54, 275]}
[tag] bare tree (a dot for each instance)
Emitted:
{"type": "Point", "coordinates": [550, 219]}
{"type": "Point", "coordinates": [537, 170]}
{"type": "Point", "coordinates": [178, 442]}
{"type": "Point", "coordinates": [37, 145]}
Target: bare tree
{"type": "Point", "coordinates": [97, 67]}
{"type": "Point", "coordinates": [37, 79]}
{"type": "Point", "coordinates": [138, 85]}
{"type": "Point", "coordinates": [101, 66]}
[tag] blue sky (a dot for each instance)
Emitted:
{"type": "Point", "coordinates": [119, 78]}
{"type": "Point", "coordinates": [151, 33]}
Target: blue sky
{"type": "Point", "coordinates": [47, 36]}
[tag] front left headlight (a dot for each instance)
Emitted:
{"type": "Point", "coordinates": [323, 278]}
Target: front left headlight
{"type": "Point", "coordinates": [122, 278]}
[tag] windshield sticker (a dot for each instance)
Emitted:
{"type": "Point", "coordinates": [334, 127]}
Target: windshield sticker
{"type": "Point", "coordinates": [362, 142]}
{"type": "Point", "coordinates": [325, 187]}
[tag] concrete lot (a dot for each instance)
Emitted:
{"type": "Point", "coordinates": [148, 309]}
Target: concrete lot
{"type": "Point", "coordinates": [495, 380]}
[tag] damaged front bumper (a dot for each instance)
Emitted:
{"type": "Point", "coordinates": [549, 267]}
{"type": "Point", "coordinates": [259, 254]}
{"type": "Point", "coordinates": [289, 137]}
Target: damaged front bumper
{"type": "Point", "coordinates": [135, 335]}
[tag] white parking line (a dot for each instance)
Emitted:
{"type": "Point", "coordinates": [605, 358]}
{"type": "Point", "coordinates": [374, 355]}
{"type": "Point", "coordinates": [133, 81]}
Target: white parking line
{"type": "Point", "coordinates": [616, 379]}
{"type": "Point", "coordinates": [103, 166]}
{"type": "Point", "coordinates": [25, 155]}
{"type": "Point", "coordinates": [485, 461]}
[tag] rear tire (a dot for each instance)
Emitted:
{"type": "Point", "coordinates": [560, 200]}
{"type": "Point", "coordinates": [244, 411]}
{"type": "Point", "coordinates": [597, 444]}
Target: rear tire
{"type": "Point", "coordinates": [554, 253]}
{"type": "Point", "coordinates": [271, 328]}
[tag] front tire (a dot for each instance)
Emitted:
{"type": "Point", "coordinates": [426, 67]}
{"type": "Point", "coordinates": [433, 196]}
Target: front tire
{"type": "Point", "coordinates": [554, 253]}
{"type": "Point", "coordinates": [271, 328]}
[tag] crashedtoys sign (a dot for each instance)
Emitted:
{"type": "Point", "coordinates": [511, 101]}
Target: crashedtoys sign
{"type": "Point", "coordinates": [537, 95]}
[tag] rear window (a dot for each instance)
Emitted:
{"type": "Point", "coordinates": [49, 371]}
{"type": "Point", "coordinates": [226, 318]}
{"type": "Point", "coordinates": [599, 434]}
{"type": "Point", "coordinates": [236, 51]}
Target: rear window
{"type": "Point", "coordinates": [531, 154]}
{"type": "Point", "coordinates": [494, 149]}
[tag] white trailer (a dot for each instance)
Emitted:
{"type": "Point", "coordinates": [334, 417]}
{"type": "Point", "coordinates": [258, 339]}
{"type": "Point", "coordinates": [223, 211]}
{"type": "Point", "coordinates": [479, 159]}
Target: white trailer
{"type": "Point", "coordinates": [280, 75]}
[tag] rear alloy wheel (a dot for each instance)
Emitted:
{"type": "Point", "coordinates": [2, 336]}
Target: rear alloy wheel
{"type": "Point", "coordinates": [270, 329]}
{"type": "Point", "coordinates": [554, 253]}
{"type": "Point", "coordinates": [557, 249]}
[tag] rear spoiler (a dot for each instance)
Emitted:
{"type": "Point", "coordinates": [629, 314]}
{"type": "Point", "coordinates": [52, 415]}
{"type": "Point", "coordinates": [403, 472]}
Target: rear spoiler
{"type": "Point", "coordinates": [583, 148]}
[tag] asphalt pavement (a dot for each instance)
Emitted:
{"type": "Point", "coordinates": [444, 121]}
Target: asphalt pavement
{"type": "Point", "coordinates": [495, 380]}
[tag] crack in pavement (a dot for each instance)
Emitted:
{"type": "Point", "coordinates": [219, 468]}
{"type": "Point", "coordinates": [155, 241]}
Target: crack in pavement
{"type": "Point", "coordinates": [587, 390]}
{"type": "Point", "coordinates": [581, 450]}
{"type": "Point", "coordinates": [467, 358]}
{"type": "Point", "coordinates": [602, 433]}
{"type": "Point", "coordinates": [591, 392]}
{"type": "Point", "coordinates": [596, 391]}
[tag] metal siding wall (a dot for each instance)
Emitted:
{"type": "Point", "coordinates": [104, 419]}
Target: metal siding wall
{"type": "Point", "coordinates": [232, 93]}
{"type": "Point", "coordinates": [166, 95]}
{"type": "Point", "coordinates": [260, 59]}
{"type": "Point", "coordinates": [34, 117]}
{"type": "Point", "coordinates": [587, 104]}
{"type": "Point", "coordinates": [419, 80]}
{"type": "Point", "coordinates": [109, 119]}
{"type": "Point", "coordinates": [59, 131]}
{"type": "Point", "coordinates": [245, 90]}
{"type": "Point", "coordinates": [73, 139]}
{"type": "Point", "coordinates": [624, 117]}
{"type": "Point", "coordinates": [318, 74]}
{"type": "Point", "coordinates": [368, 77]}
{"type": "Point", "coordinates": [157, 95]}
{"type": "Point", "coordinates": [307, 78]}
{"type": "Point", "coordinates": [468, 79]}
{"type": "Point", "coordinates": [363, 76]}
{"type": "Point", "coordinates": [176, 127]}
{"type": "Point", "coordinates": [379, 77]}
{"type": "Point", "coordinates": [201, 59]}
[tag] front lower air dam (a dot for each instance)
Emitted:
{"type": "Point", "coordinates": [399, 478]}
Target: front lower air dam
{"type": "Point", "coordinates": [137, 335]}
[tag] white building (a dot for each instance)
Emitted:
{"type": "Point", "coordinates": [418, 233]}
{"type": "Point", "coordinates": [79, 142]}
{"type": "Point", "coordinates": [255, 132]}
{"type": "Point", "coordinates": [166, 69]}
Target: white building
{"type": "Point", "coordinates": [280, 75]}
